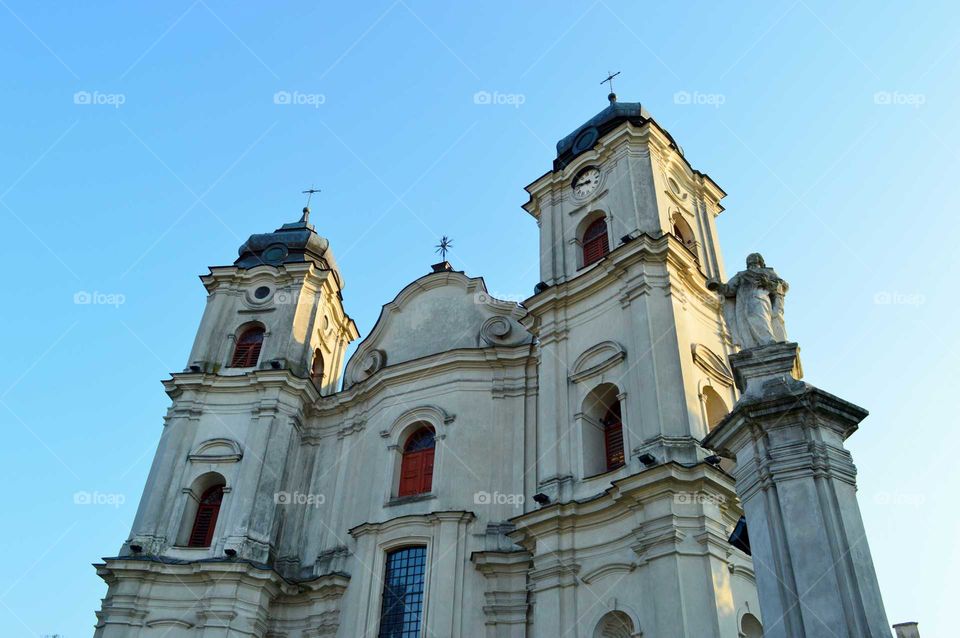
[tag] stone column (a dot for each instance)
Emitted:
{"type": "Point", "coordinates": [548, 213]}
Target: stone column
{"type": "Point", "coordinates": [797, 484]}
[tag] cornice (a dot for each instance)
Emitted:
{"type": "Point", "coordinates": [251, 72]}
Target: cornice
{"type": "Point", "coordinates": [611, 271]}
{"type": "Point", "coordinates": [432, 519]}
{"type": "Point", "coordinates": [435, 365]}
{"type": "Point", "coordinates": [623, 496]}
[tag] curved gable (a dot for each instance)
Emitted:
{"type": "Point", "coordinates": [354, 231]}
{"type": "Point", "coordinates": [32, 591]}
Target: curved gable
{"type": "Point", "coordinates": [439, 312]}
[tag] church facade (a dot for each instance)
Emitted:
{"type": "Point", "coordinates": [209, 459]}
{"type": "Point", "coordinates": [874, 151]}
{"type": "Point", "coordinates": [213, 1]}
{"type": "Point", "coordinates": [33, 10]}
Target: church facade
{"type": "Point", "coordinates": [477, 468]}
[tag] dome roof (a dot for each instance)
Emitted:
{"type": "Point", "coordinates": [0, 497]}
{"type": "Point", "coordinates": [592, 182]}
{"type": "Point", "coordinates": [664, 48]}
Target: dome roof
{"type": "Point", "coordinates": [291, 243]}
{"type": "Point", "coordinates": [586, 135]}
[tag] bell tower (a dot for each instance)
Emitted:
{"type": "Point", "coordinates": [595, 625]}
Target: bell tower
{"type": "Point", "coordinates": [627, 243]}
{"type": "Point", "coordinates": [287, 283]}
{"type": "Point", "coordinates": [270, 343]}
{"type": "Point", "coordinates": [623, 167]}
{"type": "Point", "coordinates": [631, 375]}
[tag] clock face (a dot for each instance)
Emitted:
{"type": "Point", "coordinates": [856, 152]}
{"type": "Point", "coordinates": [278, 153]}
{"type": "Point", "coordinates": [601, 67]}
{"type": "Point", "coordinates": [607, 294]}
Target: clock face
{"type": "Point", "coordinates": [586, 182]}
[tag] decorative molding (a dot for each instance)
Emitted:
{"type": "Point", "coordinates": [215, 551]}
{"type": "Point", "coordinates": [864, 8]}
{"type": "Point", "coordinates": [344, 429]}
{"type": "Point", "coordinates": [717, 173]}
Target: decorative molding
{"type": "Point", "coordinates": [495, 330]}
{"type": "Point", "coordinates": [173, 622]}
{"type": "Point", "coordinates": [606, 570]}
{"type": "Point", "coordinates": [597, 359]}
{"type": "Point", "coordinates": [434, 415]}
{"type": "Point", "coordinates": [711, 363]}
{"type": "Point", "coordinates": [372, 361]}
{"type": "Point", "coordinates": [219, 450]}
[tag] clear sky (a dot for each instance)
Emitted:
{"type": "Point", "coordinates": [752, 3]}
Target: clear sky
{"type": "Point", "coordinates": [143, 142]}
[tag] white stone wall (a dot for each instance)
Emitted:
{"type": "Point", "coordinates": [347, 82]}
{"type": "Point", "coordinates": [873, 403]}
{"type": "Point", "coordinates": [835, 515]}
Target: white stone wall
{"type": "Point", "coordinates": [311, 471]}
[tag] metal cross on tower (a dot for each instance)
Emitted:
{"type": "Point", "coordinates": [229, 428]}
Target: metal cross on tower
{"type": "Point", "coordinates": [309, 193]}
{"type": "Point", "coordinates": [306, 209]}
{"type": "Point", "coordinates": [609, 80]}
{"type": "Point", "coordinates": [444, 246]}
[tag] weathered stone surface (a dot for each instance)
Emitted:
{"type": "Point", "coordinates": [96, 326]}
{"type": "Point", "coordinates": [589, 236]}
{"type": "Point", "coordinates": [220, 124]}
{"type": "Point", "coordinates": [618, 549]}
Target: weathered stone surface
{"type": "Point", "coordinates": [797, 483]}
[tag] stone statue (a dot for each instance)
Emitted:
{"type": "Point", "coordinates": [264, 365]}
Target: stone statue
{"type": "Point", "coordinates": [753, 304]}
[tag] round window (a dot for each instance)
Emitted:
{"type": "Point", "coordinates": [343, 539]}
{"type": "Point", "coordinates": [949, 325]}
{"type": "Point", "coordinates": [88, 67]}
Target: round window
{"type": "Point", "coordinates": [262, 292]}
{"type": "Point", "coordinates": [275, 254]}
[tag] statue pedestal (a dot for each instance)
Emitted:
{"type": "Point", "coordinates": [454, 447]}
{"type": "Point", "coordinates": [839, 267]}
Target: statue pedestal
{"type": "Point", "coordinates": [773, 369]}
{"type": "Point", "coordinates": [797, 483]}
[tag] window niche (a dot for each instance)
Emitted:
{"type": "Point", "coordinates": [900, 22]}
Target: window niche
{"type": "Point", "coordinates": [204, 501]}
{"type": "Point", "coordinates": [416, 464]}
{"type": "Point", "coordinates": [593, 238]}
{"type": "Point", "coordinates": [402, 600]}
{"type": "Point", "coordinates": [602, 436]}
{"type": "Point", "coordinates": [246, 352]}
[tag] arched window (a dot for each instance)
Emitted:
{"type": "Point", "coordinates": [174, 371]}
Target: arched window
{"type": "Point", "coordinates": [613, 437]}
{"type": "Point", "coordinates": [316, 370]}
{"type": "Point", "coordinates": [247, 352]}
{"type": "Point", "coordinates": [602, 442]}
{"type": "Point", "coordinates": [683, 232]}
{"type": "Point", "coordinates": [401, 606]}
{"type": "Point", "coordinates": [416, 468]}
{"type": "Point", "coordinates": [750, 627]}
{"type": "Point", "coordinates": [714, 406]}
{"type": "Point", "coordinates": [595, 243]}
{"type": "Point", "coordinates": [205, 520]}
{"type": "Point", "coordinates": [614, 624]}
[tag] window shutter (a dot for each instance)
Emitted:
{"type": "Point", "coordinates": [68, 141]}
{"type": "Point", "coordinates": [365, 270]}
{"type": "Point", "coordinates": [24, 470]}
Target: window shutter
{"type": "Point", "coordinates": [595, 242]}
{"type": "Point", "coordinates": [247, 351]}
{"type": "Point", "coordinates": [206, 519]}
{"type": "Point", "coordinates": [613, 442]}
{"type": "Point", "coordinates": [427, 474]}
{"type": "Point", "coordinates": [409, 474]}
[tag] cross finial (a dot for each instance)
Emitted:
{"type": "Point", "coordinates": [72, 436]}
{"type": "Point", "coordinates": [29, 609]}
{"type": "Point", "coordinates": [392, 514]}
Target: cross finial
{"type": "Point", "coordinates": [306, 209]}
{"type": "Point", "coordinates": [309, 193]}
{"type": "Point", "coordinates": [609, 80]}
{"type": "Point", "coordinates": [444, 246]}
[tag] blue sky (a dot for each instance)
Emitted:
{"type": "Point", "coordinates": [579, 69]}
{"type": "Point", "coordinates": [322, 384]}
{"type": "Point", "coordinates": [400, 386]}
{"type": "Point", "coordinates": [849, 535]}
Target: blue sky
{"type": "Point", "coordinates": [143, 142]}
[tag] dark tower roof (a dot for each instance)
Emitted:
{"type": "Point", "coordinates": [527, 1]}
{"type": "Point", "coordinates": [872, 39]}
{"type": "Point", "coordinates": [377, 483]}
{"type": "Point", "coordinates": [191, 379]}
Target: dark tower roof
{"type": "Point", "coordinates": [586, 135]}
{"type": "Point", "coordinates": [296, 242]}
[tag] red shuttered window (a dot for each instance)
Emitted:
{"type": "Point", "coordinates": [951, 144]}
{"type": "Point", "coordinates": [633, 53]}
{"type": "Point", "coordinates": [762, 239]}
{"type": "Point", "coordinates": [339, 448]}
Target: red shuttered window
{"type": "Point", "coordinates": [595, 242]}
{"type": "Point", "coordinates": [206, 520]}
{"type": "Point", "coordinates": [613, 438]}
{"type": "Point", "coordinates": [247, 352]}
{"type": "Point", "coordinates": [416, 468]}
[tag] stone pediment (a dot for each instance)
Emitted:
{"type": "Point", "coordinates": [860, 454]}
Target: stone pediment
{"type": "Point", "coordinates": [217, 451]}
{"type": "Point", "coordinates": [437, 313]}
{"type": "Point", "coordinates": [712, 363]}
{"type": "Point", "coordinates": [597, 359]}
